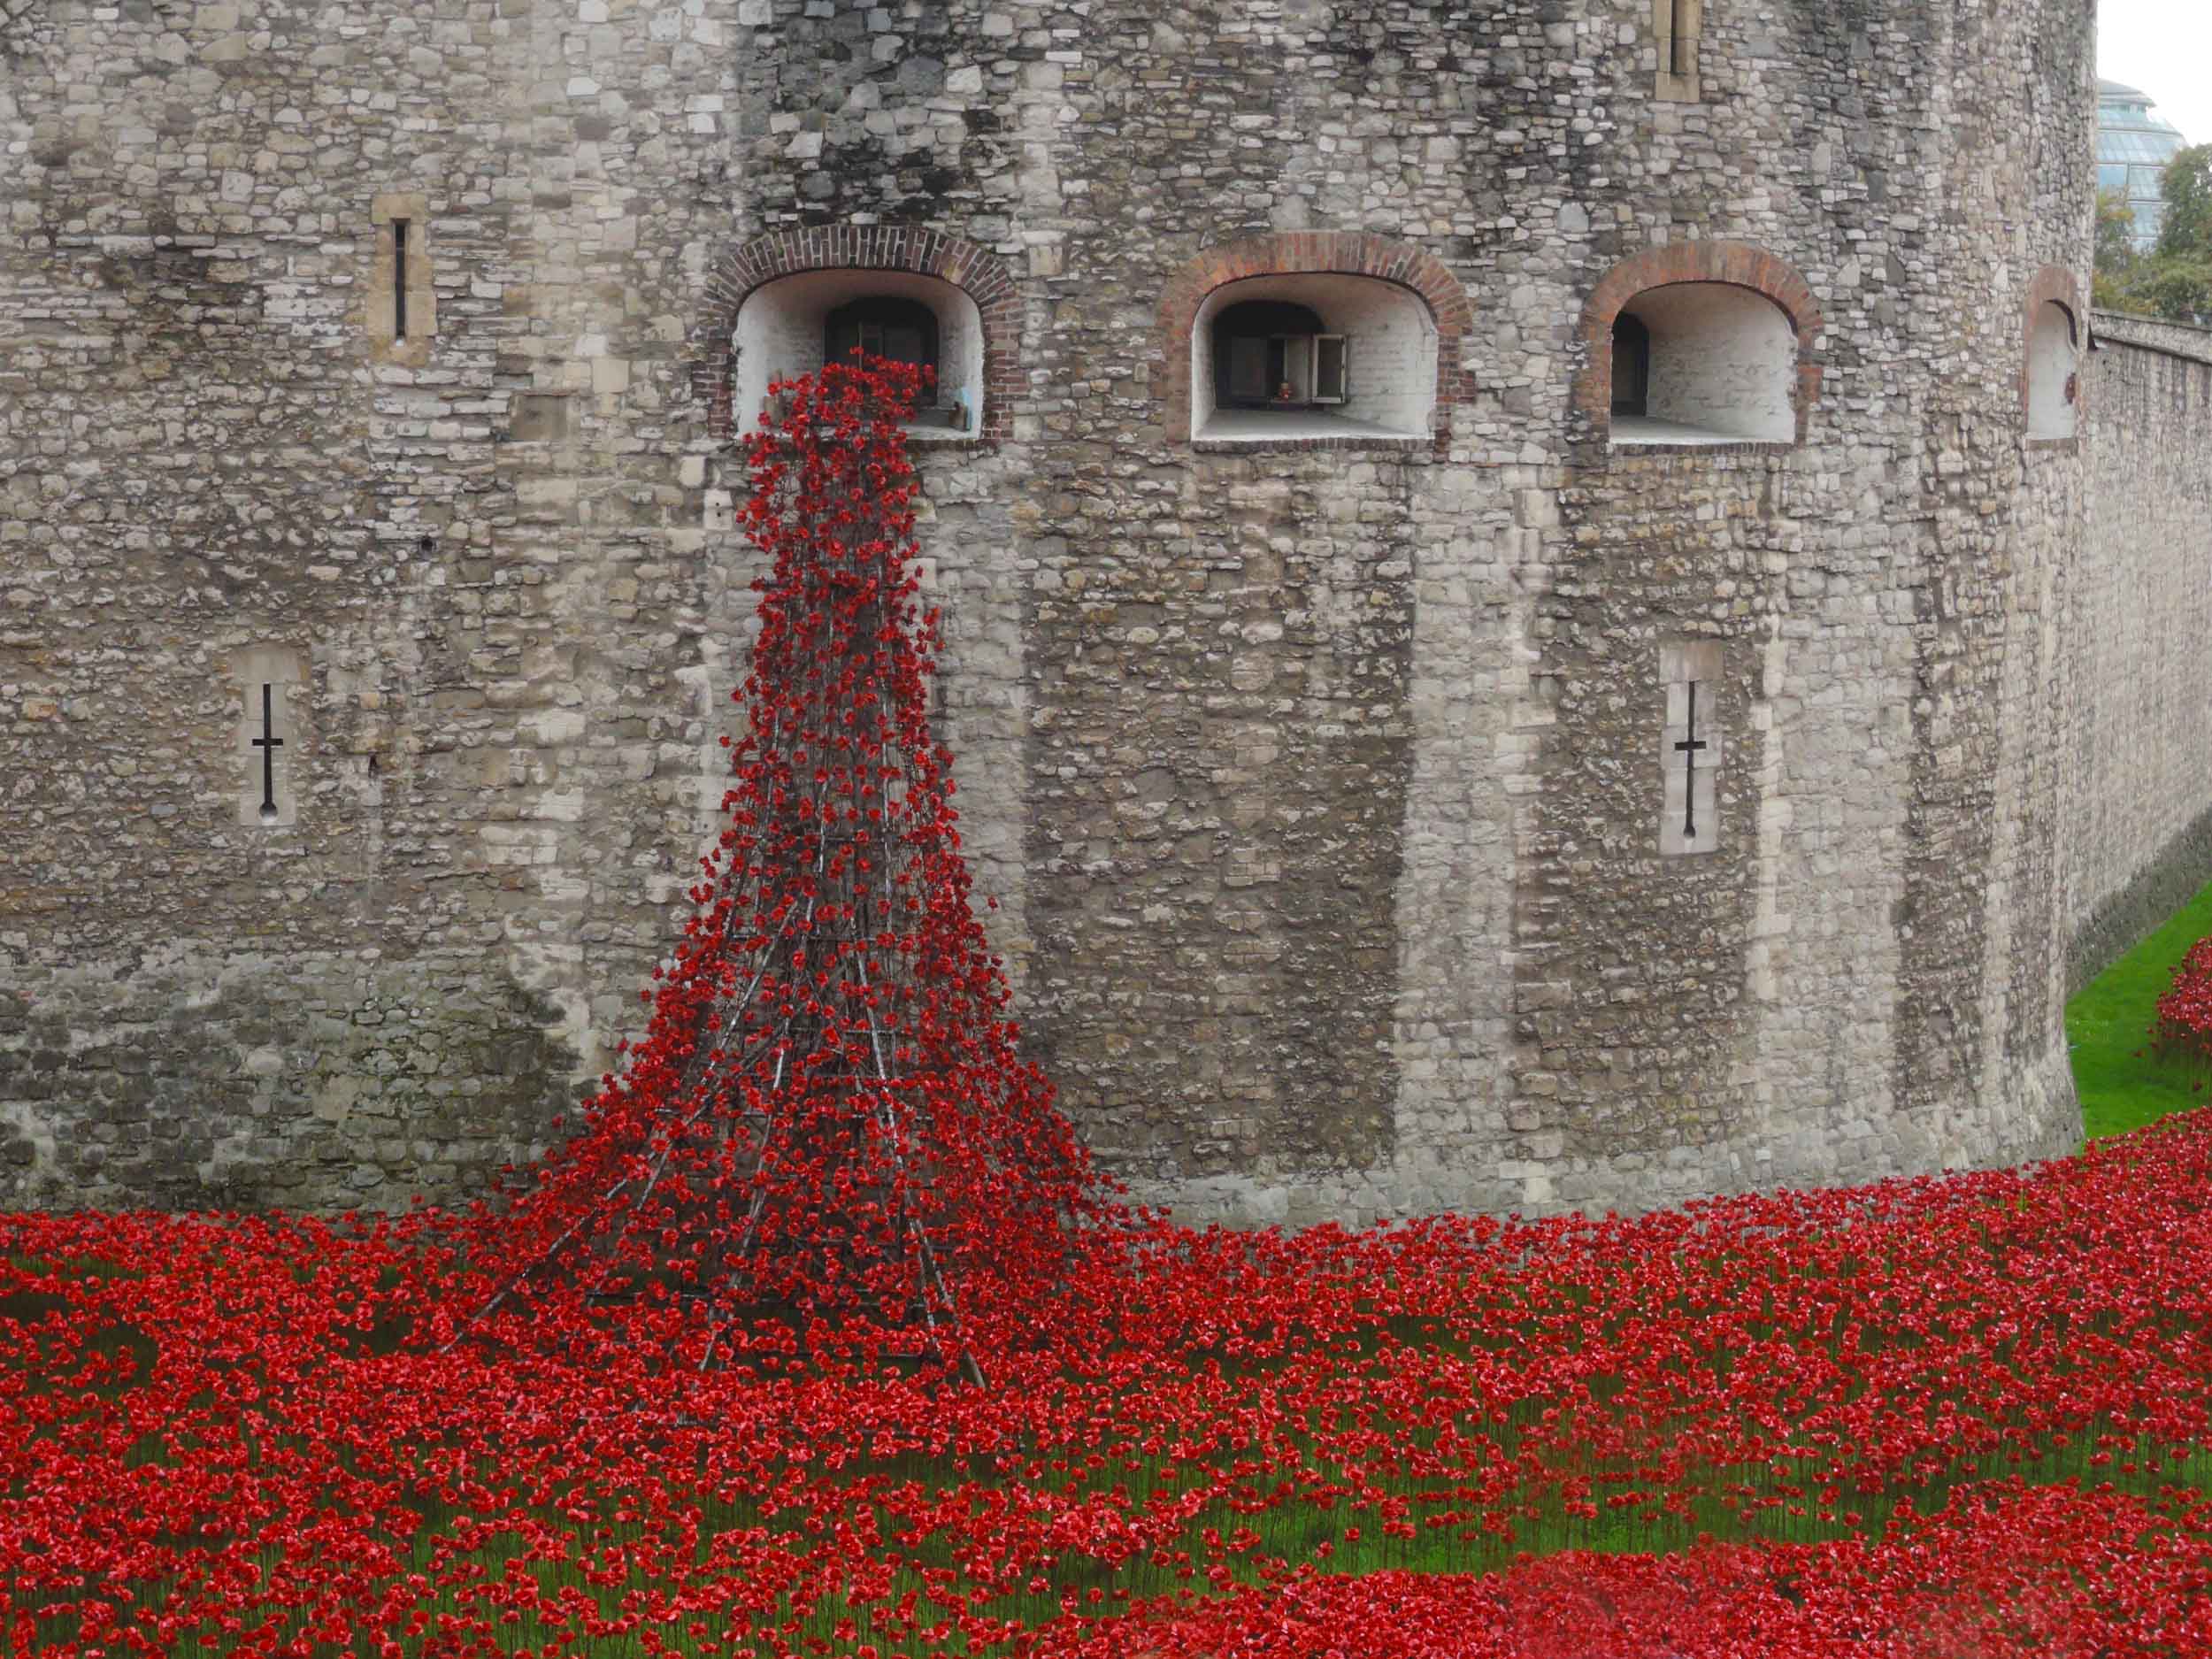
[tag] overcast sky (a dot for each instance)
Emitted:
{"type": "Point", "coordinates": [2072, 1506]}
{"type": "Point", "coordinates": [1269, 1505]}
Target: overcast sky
{"type": "Point", "coordinates": [2165, 47]}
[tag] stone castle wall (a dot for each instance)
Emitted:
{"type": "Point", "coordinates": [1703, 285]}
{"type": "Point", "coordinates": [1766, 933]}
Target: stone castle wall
{"type": "Point", "coordinates": [2139, 610]}
{"type": "Point", "coordinates": [484, 553]}
{"type": "Point", "coordinates": [1320, 781]}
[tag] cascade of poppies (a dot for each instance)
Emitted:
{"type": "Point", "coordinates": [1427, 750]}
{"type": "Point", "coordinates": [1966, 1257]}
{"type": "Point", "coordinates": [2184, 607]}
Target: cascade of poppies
{"type": "Point", "coordinates": [827, 1142]}
{"type": "Point", "coordinates": [2183, 1030]}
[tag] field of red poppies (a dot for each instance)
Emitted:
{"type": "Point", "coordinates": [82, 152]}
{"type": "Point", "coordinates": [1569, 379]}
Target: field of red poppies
{"type": "Point", "coordinates": [2183, 1030]}
{"type": "Point", "coordinates": [820, 1336]}
{"type": "Point", "coordinates": [1966, 1416]}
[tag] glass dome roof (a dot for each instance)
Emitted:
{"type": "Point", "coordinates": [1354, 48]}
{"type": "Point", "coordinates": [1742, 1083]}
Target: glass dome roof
{"type": "Point", "coordinates": [2134, 147]}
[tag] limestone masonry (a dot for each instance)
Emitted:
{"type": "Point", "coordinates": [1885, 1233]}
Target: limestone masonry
{"type": "Point", "coordinates": [1549, 601]}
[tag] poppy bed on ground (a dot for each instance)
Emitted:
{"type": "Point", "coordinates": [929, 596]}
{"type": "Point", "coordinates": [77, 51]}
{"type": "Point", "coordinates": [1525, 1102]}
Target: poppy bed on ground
{"type": "Point", "coordinates": [821, 1336]}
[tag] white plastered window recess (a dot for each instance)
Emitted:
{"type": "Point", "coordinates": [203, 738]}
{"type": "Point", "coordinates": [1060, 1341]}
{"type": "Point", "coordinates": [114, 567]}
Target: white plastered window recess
{"type": "Point", "coordinates": [793, 325]}
{"type": "Point", "coordinates": [1703, 363]}
{"type": "Point", "coordinates": [1275, 358]}
{"type": "Point", "coordinates": [2053, 366]}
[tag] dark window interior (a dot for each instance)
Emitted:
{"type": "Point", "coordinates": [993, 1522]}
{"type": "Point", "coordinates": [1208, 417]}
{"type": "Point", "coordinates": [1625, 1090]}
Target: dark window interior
{"type": "Point", "coordinates": [1249, 347]}
{"type": "Point", "coordinates": [1631, 366]}
{"type": "Point", "coordinates": [399, 279]}
{"type": "Point", "coordinates": [904, 331]}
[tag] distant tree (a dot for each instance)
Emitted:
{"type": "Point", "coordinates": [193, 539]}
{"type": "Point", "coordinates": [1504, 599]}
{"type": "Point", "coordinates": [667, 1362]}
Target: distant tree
{"type": "Point", "coordinates": [2116, 258]}
{"type": "Point", "coordinates": [2186, 233]}
{"type": "Point", "coordinates": [2174, 281]}
{"type": "Point", "coordinates": [2180, 291]}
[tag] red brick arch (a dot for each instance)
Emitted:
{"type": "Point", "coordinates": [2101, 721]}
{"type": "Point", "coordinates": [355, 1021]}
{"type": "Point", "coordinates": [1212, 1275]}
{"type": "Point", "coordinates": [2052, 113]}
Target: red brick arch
{"type": "Point", "coordinates": [1737, 264]}
{"type": "Point", "coordinates": [2053, 284]}
{"type": "Point", "coordinates": [1316, 253]}
{"type": "Point", "coordinates": [976, 271]}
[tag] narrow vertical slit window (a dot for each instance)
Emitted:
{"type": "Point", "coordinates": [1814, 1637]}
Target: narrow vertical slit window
{"type": "Point", "coordinates": [268, 743]}
{"type": "Point", "coordinates": [1690, 747]}
{"type": "Point", "coordinates": [399, 279]}
{"type": "Point", "coordinates": [267, 678]}
{"type": "Point", "coordinates": [1676, 25]}
{"type": "Point", "coordinates": [402, 310]}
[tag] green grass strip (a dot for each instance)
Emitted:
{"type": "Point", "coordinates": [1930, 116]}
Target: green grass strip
{"type": "Point", "coordinates": [2121, 1085]}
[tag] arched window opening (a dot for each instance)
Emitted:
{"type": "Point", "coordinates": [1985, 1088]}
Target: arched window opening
{"type": "Point", "coordinates": [1631, 366]}
{"type": "Point", "coordinates": [1704, 363]}
{"type": "Point", "coordinates": [795, 324]}
{"type": "Point", "coordinates": [1316, 355]}
{"type": "Point", "coordinates": [2053, 385]}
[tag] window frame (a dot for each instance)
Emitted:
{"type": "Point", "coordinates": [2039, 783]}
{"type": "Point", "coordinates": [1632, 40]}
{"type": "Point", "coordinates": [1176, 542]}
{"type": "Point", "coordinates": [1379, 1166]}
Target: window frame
{"type": "Point", "coordinates": [913, 313]}
{"type": "Point", "coordinates": [1343, 393]}
{"type": "Point", "coordinates": [1277, 369]}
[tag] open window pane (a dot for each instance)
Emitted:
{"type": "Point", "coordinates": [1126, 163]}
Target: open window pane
{"type": "Point", "coordinates": [1259, 349]}
{"type": "Point", "coordinates": [1329, 352]}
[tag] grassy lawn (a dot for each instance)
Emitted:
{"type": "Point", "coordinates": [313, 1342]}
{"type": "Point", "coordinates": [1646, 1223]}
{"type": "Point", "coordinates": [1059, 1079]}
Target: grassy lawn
{"type": "Point", "coordinates": [2107, 1027]}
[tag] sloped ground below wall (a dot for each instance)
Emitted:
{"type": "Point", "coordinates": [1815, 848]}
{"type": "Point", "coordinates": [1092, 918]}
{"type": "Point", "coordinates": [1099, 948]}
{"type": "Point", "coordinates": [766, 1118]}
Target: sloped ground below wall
{"type": "Point", "coordinates": [2123, 1080]}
